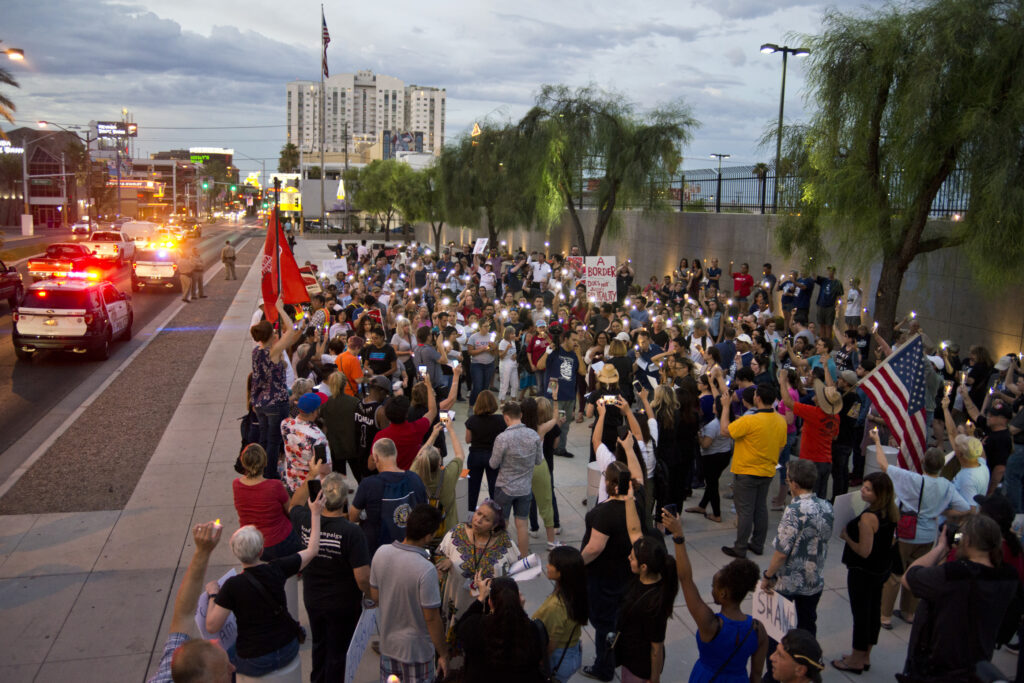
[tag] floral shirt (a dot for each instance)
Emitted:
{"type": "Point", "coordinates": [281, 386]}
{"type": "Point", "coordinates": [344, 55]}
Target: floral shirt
{"type": "Point", "coordinates": [298, 438]}
{"type": "Point", "coordinates": [268, 379]}
{"type": "Point", "coordinates": [803, 536]}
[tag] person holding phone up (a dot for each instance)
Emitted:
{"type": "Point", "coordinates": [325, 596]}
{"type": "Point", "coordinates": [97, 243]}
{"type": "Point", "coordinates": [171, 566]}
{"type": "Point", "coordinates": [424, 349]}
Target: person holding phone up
{"type": "Point", "coordinates": [305, 446]}
{"type": "Point", "coordinates": [561, 365]}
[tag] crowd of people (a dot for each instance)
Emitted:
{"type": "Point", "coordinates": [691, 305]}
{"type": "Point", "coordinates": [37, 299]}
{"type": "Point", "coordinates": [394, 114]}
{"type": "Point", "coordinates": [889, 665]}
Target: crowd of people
{"type": "Point", "coordinates": [351, 457]}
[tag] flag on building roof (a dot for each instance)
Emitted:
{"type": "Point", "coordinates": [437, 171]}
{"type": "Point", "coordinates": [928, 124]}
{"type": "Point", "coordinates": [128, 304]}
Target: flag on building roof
{"type": "Point", "coordinates": [897, 390]}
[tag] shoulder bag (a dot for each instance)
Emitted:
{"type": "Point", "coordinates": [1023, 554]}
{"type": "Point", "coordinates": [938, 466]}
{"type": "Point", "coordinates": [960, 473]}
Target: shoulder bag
{"type": "Point", "coordinates": [278, 610]}
{"type": "Point", "coordinates": [906, 528]}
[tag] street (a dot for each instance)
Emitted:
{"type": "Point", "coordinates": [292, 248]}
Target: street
{"type": "Point", "coordinates": [29, 390]}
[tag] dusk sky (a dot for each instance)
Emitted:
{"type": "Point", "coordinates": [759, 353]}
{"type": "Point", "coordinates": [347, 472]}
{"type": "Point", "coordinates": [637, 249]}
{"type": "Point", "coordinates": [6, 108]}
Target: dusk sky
{"type": "Point", "coordinates": [185, 66]}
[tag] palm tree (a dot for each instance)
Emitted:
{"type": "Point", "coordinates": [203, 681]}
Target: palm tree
{"type": "Point", "coordinates": [289, 159]}
{"type": "Point", "coordinates": [761, 173]}
{"type": "Point", "coordinates": [7, 107]}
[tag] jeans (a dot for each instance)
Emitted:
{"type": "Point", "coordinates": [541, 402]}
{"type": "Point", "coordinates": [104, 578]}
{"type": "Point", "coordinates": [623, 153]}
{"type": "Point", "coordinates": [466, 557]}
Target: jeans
{"type": "Point", "coordinates": [605, 594]}
{"type": "Point", "coordinates": [268, 663]}
{"type": "Point", "coordinates": [750, 496]}
{"type": "Point", "coordinates": [1013, 479]}
{"type": "Point", "coordinates": [331, 631]}
{"type": "Point", "coordinates": [477, 465]}
{"type": "Point", "coordinates": [289, 546]}
{"type": "Point", "coordinates": [481, 375]}
{"type": "Point", "coordinates": [570, 663]}
{"type": "Point", "coordinates": [791, 447]}
{"type": "Point", "coordinates": [821, 482]}
{"type": "Point", "coordinates": [840, 468]}
{"type": "Point", "coordinates": [570, 408]}
{"type": "Point", "coordinates": [270, 417]}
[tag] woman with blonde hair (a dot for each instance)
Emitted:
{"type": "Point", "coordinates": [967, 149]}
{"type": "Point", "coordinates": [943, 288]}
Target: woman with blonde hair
{"type": "Point", "coordinates": [438, 478]}
{"type": "Point", "coordinates": [538, 415]}
{"type": "Point", "coordinates": [404, 342]}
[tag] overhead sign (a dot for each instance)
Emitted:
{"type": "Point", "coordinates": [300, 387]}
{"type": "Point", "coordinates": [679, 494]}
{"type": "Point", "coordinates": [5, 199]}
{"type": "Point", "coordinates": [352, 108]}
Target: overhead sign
{"type": "Point", "coordinates": [134, 183]}
{"type": "Point", "coordinates": [7, 148]}
{"type": "Point", "coordinates": [600, 278]}
{"type": "Point", "coordinates": [116, 129]}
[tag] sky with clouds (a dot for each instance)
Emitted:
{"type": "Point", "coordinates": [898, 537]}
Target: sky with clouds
{"type": "Point", "coordinates": [185, 66]}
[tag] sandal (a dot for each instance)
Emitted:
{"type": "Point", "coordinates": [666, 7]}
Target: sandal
{"type": "Point", "coordinates": [696, 510]}
{"type": "Point", "coordinates": [713, 518]}
{"type": "Point", "coordinates": [579, 418]}
{"type": "Point", "coordinates": [843, 666]}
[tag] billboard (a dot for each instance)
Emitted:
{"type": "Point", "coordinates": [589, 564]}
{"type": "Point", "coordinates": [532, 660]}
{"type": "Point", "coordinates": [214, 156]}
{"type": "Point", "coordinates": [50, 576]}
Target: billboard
{"type": "Point", "coordinates": [116, 129]}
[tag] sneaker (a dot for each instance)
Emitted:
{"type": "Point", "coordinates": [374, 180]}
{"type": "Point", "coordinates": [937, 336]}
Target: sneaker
{"type": "Point", "coordinates": [534, 533]}
{"type": "Point", "coordinates": [589, 672]}
{"type": "Point", "coordinates": [554, 544]}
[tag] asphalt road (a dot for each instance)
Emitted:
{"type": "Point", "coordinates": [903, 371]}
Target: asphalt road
{"type": "Point", "coordinates": [29, 390]}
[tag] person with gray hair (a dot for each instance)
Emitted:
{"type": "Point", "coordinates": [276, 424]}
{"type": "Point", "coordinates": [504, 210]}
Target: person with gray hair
{"type": "Point", "coordinates": [383, 501]}
{"type": "Point", "coordinates": [801, 546]}
{"type": "Point", "coordinates": [268, 637]}
{"type": "Point", "coordinates": [335, 581]}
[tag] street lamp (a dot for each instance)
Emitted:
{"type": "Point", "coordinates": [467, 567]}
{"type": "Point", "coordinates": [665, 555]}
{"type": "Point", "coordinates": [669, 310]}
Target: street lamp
{"type": "Point", "coordinates": [770, 48]}
{"type": "Point", "coordinates": [88, 164]}
{"type": "Point", "coordinates": [718, 188]}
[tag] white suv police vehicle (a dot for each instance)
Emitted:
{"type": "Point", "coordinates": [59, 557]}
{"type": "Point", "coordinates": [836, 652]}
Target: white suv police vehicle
{"type": "Point", "coordinates": [71, 315]}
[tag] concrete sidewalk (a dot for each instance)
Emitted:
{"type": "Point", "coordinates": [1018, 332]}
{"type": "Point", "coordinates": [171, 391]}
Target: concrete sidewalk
{"type": "Point", "coordinates": [88, 596]}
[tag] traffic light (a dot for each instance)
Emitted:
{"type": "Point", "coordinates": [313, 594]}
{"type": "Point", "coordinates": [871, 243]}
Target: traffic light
{"type": "Point", "coordinates": [234, 188]}
{"type": "Point", "coordinates": [206, 185]}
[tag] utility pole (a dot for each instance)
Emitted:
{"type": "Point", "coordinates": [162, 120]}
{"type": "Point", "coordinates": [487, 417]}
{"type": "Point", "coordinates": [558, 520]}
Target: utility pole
{"type": "Point", "coordinates": [63, 194]}
{"type": "Point", "coordinates": [174, 188]}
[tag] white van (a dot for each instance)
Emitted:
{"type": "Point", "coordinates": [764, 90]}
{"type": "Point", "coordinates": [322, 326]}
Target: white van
{"type": "Point", "coordinates": [140, 231]}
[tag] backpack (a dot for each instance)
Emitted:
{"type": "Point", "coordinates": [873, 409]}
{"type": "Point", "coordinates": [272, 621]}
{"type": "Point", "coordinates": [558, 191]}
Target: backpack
{"type": "Point", "coordinates": [396, 503]}
{"type": "Point", "coordinates": [250, 432]}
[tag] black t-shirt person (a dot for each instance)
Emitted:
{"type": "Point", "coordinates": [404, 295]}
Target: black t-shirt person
{"type": "Point", "coordinates": [379, 359]}
{"type": "Point", "coordinates": [609, 518]}
{"type": "Point", "coordinates": [328, 580]}
{"type": "Point", "coordinates": [260, 632]}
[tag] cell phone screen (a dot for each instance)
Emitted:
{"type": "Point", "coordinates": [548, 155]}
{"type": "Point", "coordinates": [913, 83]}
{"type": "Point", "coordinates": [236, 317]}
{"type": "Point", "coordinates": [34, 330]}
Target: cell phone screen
{"type": "Point", "coordinates": [320, 452]}
{"type": "Point", "coordinates": [314, 488]}
{"type": "Point", "coordinates": [623, 485]}
{"type": "Point", "coordinates": [636, 387]}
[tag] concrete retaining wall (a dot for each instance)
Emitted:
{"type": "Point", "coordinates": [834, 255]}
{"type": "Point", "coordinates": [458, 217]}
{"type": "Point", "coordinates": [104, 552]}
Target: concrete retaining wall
{"type": "Point", "coordinates": [938, 286]}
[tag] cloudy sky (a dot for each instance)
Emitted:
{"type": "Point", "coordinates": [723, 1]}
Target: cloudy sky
{"type": "Point", "coordinates": [213, 73]}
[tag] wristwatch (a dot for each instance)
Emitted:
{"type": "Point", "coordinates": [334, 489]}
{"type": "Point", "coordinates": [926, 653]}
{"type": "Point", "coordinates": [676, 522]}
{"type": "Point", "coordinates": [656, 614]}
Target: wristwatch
{"type": "Point", "coordinates": [679, 540]}
{"type": "Point", "coordinates": [769, 578]}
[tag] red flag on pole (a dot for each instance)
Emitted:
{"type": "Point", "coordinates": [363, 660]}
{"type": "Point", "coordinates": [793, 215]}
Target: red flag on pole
{"type": "Point", "coordinates": [283, 262]}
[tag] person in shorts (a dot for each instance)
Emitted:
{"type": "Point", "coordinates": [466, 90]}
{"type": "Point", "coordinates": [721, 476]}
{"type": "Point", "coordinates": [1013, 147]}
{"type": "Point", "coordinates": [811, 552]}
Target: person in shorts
{"type": "Point", "coordinates": [515, 453]}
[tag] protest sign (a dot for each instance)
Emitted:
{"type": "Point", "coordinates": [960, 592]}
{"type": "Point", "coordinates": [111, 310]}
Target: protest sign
{"type": "Point", "coordinates": [481, 245]}
{"type": "Point", "coordinates": [846, 508]}
{"type": "Point", "coordinates": [600, 278]}
{"type": "Point", "coordinates": [330, 267]}
{"type": "Point", "coordinates": [366, 628]}
{"type": "Point", "coordinates": [776, 613]}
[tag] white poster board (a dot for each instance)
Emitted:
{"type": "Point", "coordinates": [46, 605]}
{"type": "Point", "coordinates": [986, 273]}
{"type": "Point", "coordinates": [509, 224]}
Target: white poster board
{"type": "Point", "coordinates": [366, 628]}
{"type": "Point", "coordinates": [330, 267]}
{"type": "Point", "coordinates": [481, 245]}
{"type": "Point", "coordinates": [228, 633]}
{"type": "Point", "coordinates": [600, 278]}
{"type": "Point", "coordinates": [776, 613]}
{"type": "Point", "coordinates": [846, 508]}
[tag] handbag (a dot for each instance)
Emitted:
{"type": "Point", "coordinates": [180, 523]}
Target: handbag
{"type": "Point", "coordinates": [278, 610]}
{"type": "Point", "coordinates": [906, 527]}
{"type": "Point", "coordinates": [550, 676]}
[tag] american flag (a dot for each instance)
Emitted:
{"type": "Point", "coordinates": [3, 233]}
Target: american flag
{"type": "Point", "coordinates": [326, 37]}
{"type": "Point", "coordinates": [897, 389]}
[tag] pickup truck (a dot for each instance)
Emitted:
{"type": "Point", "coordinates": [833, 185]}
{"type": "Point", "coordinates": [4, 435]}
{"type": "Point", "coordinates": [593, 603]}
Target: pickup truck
{"type": "Point", "coordinates": [65, 260]}
{"type": "Point", "coordinates": [112, 245]}
{"type": "Point", "coordinates": [11, 287]}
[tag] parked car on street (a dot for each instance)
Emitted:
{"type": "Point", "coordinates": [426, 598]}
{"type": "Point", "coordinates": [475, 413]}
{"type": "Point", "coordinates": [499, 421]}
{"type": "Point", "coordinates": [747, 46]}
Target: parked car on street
{"type": "Point", "coordinates": [112, 245]}
{"type": "Point", "coordinates": [65, 260]}
{"type": "Point", "coordinates": [11, 286]}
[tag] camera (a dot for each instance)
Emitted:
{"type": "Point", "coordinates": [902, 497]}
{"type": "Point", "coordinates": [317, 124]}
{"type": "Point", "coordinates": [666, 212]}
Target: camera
{"type": "Point", "coordinates": [953, 533]}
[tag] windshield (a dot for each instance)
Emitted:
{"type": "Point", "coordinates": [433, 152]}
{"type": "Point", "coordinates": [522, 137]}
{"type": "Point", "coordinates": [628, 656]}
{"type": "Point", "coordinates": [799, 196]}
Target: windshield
{"type": "Point", "coordinates": [50, 298]}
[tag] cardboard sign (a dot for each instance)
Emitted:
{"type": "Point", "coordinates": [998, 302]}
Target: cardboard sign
{"type": "Point", "coordinates": [845, 509]}
{"type": "Point", "coordinates": [481, 245]}
{"type": "Point", "coordinates": [331, 267]}
{"type": "Point", "coordinates": [599, 275]}
{"type": "Point", "coordinates": [366, 628]}
{"type": "Point", "coordinates": [576, 263]}
{"type": "Point", "coordinates": [776, 613]}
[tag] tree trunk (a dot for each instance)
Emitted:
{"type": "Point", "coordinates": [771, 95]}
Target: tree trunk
{"type": "Point", "coordinates": [604, 217]}
{"type": "Point", "coordinates": [887, 297]}
{"type": "Point", "coordinates": [436, 230]}
{"type": "Point", "coordinates": [581, 237]}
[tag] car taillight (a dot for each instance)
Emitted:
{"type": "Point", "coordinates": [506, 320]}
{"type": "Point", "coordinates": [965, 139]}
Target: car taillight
{"type": "Point", "coordinates": [15, 317]}
{"type": "Point", "coordinates": [88, 318]}
{"type": "Point", "coordinates": [135, 266]}
{"type": "Point", "coordinates": [174, 266]}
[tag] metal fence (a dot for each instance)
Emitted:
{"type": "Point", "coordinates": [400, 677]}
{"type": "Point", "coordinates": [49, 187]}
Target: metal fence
{"type": "Point", "coordinates": [740, 190]}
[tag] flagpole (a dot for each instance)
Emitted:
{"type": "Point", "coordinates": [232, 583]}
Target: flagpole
{"type": "Point", "coordinates": [323, 127]}
{"type": "Point", "coordinates": [277, 234]}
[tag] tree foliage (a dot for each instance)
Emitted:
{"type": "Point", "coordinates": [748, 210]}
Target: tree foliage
{"type": "Point", "coordinates": [589, 135]}
{"type": "Point", "coordinates": [425, 197]}
{"type": "Point", "coordinates": [7, 107]}
{"type": "Point", "coordinates": [904, 98]}
{"type": "Point", "coordinates": [382, 184]}
{"type": "Point", "coordinates": [288, 162]}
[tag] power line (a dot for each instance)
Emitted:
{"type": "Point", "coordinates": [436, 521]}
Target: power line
{"type": "Point", "coordinates": [275, 125]}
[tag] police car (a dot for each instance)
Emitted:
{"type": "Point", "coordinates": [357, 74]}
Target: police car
{"type": "Point", "coordinates": [156, 265]}
{"type": "Point", "coordinates": [76, 315]}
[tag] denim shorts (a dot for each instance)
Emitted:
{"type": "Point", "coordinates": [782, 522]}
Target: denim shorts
{"type": "Point", "coordinates": [519, 506]}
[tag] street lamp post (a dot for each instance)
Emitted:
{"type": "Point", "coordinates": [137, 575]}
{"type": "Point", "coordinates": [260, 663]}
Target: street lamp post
{"type": "Point", "coordinates": [718, 183]}
{"type": "Point", "coordinates": [769, 48]}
